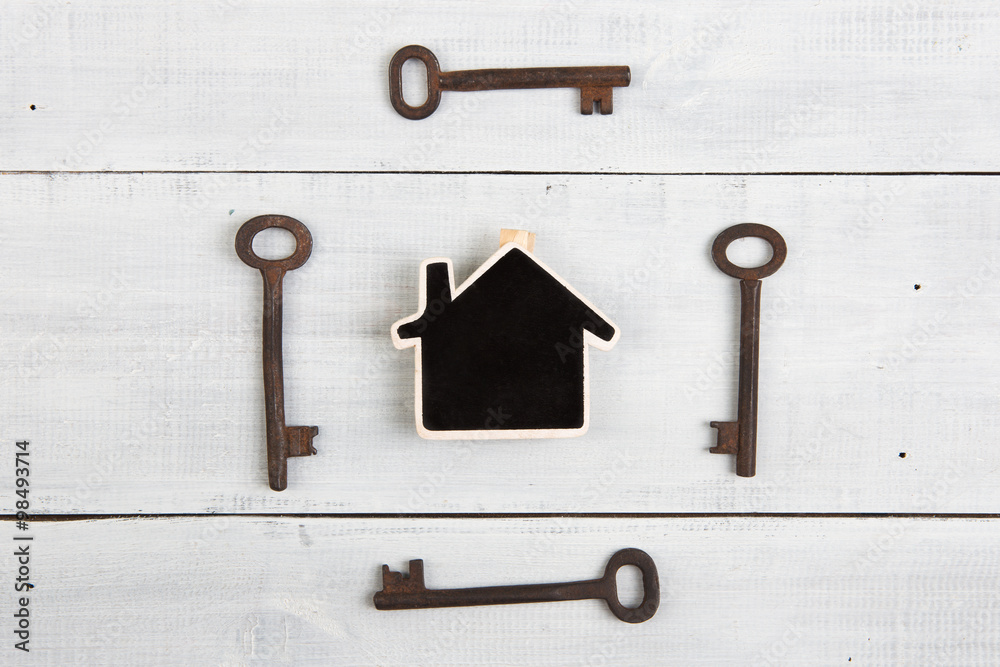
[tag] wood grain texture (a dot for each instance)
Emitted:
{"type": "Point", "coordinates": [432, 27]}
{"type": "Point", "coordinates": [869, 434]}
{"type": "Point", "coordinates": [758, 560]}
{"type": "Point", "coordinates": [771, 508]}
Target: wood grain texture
{"type": "Point", "coordinates": [130, 332]}
{"type": "Point", "coordinates": [253, 591]}
{"type": "Point", "coordinates": [132, 339]}
{"type": "Point", "coordinates": [718, 86]}
{"type": "Point", "coordinates": [522, 237]}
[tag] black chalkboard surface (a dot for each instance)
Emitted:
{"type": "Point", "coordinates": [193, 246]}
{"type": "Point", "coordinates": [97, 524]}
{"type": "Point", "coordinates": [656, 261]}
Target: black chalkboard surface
{"type": "Point", "coordinates": [505, 354]}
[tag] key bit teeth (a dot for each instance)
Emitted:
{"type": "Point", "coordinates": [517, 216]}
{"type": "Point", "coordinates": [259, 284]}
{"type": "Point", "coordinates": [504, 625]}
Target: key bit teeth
{"type": "Point", "coordinates": [728, 436]}
{"type": "Point", "coordinates": [300, 440]}
{"type": "Point", "coordinates": [606, 102]}
{"type": "Point", "coordinates": [397, 582]}
{"type": "Point", "coordinates": [390, 578]}
{"type": "Point", "coordinates": [590, 96]}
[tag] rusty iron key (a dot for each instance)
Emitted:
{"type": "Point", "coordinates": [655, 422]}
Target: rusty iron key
{"type": "Point", "coordinates": [408, 592]}
{"type": "Point", "coordinates": [282, 441]}
{"type": "Point", "coordinates": [595, 83]}
{"type": "Point", "coordinates": [740, 437]}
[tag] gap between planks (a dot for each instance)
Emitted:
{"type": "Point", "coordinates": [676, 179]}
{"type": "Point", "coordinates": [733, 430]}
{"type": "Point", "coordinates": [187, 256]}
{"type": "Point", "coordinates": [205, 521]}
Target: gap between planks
{"type": "Point", "coordinates": [54, 518]}
{"type": "Point", "coordinates": [16, 172]}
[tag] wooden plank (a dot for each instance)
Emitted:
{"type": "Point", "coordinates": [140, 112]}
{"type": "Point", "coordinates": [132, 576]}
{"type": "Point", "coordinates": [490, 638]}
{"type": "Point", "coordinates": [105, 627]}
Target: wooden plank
{"type": "Point", "coordinates": [717, 86]}
{"type": "Point", "coordinates": [132, 343]}
{"type": "Point", "coordinates": [249, 591]}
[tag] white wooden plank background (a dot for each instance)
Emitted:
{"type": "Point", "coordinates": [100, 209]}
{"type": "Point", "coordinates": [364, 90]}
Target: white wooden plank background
{"type": "Point", "coordinates": [129, 334]}
{"type": "Point", "coordinates": [135, 342]}
{"type": "Point", "coordinates": [719, 85]}
{"type": "Point", "coordinates": [256, 591]}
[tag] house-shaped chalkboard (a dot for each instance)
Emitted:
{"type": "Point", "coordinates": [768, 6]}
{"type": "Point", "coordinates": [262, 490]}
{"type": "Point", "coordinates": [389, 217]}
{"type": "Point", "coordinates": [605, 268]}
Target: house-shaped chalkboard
{"type": "Point", "coordinates": [504, 355]}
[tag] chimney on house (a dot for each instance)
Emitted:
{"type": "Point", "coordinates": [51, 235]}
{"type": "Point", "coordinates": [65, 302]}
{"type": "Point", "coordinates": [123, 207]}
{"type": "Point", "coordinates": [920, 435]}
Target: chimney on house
{"type": "Point", "coordinates": [438, 287]}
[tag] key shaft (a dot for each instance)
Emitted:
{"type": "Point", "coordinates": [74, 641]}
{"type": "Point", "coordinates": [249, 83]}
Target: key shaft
{"type": "Point", "coordinates": [535, 77]}
{"type": "Point", "coordinates": [746, 409]}
{"type": "Point", "coordinates": [282, 441]}
{"type": "Point", "coordinates": [490, 595]}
